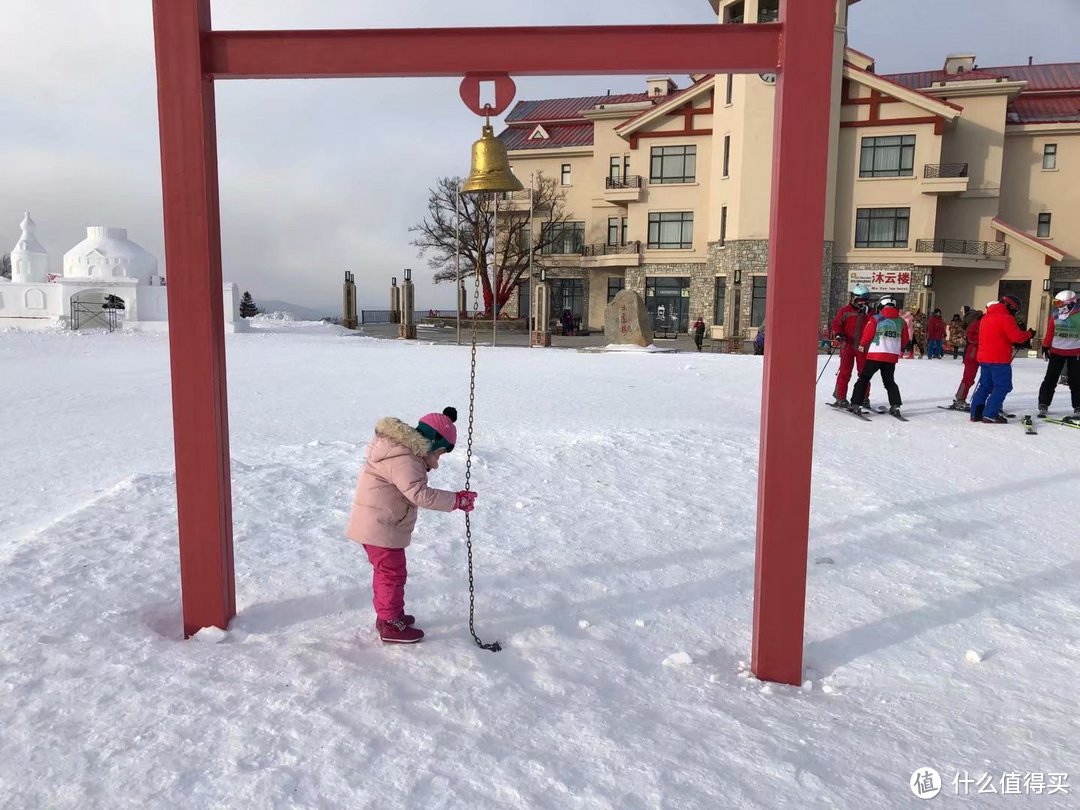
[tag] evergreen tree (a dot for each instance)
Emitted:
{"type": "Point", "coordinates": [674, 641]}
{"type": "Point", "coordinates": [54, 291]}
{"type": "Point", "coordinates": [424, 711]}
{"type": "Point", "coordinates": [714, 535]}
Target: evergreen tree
{"type": "Point", "coordinates": [247, 305]}
{"type": "Point", "coordinates": [5, 266]}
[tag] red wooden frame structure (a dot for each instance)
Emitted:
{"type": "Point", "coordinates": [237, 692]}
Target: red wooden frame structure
{"type": "Point", "coordinates": [191, 56]}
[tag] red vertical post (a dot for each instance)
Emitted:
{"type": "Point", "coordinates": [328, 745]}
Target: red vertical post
{"type": "Point", "coordinates": [796, 252]}
{"type": "Point", "coordinates": [196, 319]}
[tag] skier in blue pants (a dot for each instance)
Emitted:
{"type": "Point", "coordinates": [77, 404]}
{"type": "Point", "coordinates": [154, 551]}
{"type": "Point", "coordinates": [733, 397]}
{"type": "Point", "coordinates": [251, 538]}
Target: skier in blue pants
{"type": "Point", "coordinates": [998, 334]}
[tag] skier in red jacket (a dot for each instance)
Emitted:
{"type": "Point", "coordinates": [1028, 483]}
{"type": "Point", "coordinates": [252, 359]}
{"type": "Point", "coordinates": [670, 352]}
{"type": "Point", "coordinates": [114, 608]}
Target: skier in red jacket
{"type": "Point", "coordinates": [847, 329]}
{"type": "Point", "coordinates": [972, 319]}
{"type": "Point", "coordinates": [998, 333]}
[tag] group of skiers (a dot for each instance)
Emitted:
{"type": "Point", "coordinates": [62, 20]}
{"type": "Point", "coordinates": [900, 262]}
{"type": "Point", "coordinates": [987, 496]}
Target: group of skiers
{"type": "Point", "coordinates": [873, 336]}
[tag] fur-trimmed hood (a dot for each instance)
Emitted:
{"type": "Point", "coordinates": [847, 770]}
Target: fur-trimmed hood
{"type": "Point", "coordinates": [394, 438]}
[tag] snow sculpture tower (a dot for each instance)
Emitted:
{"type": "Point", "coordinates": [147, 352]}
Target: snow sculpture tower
{"type": "Point", "coordinates": [29, 260]}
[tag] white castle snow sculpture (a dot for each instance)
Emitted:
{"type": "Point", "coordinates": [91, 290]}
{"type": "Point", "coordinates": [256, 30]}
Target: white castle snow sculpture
{"type": "Point", "coordinates": [104, 269]}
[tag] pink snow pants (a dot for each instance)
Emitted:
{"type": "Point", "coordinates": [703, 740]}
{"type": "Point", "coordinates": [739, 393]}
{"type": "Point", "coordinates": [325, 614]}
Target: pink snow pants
{"type": "Point", "coordinates": [387, 581]}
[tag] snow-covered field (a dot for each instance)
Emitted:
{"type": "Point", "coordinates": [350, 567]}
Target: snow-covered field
{"type": "Point", "coordinates": [614, 548]}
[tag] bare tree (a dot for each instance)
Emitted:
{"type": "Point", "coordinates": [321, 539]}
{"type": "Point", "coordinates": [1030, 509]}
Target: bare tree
{"type": "Point", "coordinates": [5, 266]}
{"type": "Point", "coordinates": [437, 235]}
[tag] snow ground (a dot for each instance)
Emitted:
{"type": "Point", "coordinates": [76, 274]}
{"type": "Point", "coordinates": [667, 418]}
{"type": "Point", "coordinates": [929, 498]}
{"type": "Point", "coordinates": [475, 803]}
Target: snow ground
{"type": "Point", "coordinates": [614, 542]}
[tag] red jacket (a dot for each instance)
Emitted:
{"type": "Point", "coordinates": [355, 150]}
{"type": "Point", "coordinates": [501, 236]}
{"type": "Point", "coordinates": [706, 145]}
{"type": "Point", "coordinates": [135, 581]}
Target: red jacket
{"type": "Point", "coordinates": [850, 323]}
{"type": "Point", "coordinates": [997, 334]}
{"type": "Point", "coordinates": [972, 334]}
{"type": "Point", "coordinates": [884, 337]}
{"type": "Point", "coordinates": [935, 328]}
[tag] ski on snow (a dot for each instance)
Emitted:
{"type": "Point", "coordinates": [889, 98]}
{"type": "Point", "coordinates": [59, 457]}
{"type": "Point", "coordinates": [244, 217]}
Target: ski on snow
{"type": "Point", "coordinates": [1029, 426]}
{"type": "Point", "coordinates": [1068, 421]}
{"type": "Point", "coordinates": [950, 408]}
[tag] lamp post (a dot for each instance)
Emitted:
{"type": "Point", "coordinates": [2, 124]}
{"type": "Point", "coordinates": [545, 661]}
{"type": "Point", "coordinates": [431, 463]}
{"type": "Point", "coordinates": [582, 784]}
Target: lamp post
{"type": "Point", "coordinates": [457, 259]}
{"type": "Point", "coordinates": [494, 268]}
{"type": "Point", "coordinates": [407, 329]}
{"type": "Point", "coordinates": [928, 293]}
{"type": "Point", "coordinates": [348, 302]}
{"type": "Point", "coordinates": [1044, 309]}
{"type": "Point", "coordinates": [540, 336]}
{"type": "Point", "coordinates": [532, 286]}
{"type": "Point", "coordinates": [395, 301]}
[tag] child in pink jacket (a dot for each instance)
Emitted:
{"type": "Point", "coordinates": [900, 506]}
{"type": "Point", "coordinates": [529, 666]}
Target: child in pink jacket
{"type": "Point", "coordinates": [392, 486]}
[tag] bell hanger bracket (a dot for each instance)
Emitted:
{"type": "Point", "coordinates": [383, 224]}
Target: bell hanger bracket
{"type": "Point", "coordinates": [469, 91]}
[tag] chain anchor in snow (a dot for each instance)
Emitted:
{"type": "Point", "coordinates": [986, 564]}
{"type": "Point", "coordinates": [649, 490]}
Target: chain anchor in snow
{"type": "Point", "coordinates": [494, 646]}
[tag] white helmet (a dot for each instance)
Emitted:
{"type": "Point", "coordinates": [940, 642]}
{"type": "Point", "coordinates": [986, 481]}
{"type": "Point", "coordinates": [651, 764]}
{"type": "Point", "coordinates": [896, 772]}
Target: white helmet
{"type": "Point", "coordinates": [860, 291]}
{"type": "Point", "coordinates": [887, 302]}
{"type": "Point", "coordinates": [1066, 297]}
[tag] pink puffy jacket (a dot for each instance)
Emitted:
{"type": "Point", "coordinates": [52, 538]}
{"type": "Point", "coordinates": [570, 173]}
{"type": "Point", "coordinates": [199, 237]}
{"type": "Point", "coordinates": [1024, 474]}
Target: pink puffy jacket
{"type": "Point", "coordinates": [392, 485]}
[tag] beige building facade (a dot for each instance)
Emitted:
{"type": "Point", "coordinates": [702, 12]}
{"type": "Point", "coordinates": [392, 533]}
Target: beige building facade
{"type": "Point", "coordinates": [948, 187]}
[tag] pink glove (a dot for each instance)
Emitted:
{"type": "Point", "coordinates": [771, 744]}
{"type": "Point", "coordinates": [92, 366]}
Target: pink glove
{"type": "Point", "coordinates": [466, 501]}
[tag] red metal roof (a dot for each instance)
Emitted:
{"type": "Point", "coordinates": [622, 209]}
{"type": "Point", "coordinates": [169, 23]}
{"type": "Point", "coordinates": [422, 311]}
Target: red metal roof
{"type": "Point", "coordinates": [1063, 76]}
{"type": "Point", "coordinates": [566, 109]}
{"type": "Point", "coordinates": [1052, 94]}
{"type": "Point", "coordinates": [1052, 109]}
{"type": "Point", "coordinates": [517, 137]}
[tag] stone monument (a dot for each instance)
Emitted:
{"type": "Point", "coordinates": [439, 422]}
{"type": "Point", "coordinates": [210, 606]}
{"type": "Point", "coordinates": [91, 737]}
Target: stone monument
{"type": "Point", "coordinates": [625, 320]}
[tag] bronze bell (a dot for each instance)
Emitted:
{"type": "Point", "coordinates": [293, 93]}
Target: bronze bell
{"type": "Point", "coordinates": [490, 167]}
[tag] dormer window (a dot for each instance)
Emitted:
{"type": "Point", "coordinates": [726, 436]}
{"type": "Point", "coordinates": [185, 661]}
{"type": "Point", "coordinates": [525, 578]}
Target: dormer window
{"type": "Point", "coordinates": [539, 134]}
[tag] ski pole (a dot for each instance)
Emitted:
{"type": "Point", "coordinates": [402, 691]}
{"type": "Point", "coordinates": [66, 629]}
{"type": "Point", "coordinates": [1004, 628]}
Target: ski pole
{"type": "Point", "coordinates": [831, 348]}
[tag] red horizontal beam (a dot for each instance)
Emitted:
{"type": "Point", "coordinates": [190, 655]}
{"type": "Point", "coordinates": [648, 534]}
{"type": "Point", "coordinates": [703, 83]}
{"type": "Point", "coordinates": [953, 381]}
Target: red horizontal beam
{"type": "Point", "coordinates": [519, 51]}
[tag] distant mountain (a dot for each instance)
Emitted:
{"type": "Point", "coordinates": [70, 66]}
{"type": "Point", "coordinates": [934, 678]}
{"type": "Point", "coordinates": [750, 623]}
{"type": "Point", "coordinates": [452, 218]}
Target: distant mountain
{"type": "Point", "coordinates": [298, 312]}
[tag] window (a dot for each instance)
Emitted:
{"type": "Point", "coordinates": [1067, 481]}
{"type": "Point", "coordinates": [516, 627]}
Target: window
{"type": "Point", "coordinates": [757, 301]}
{"type": "Point", "coordinates": [727, 154]}
{"type": "Point", "coordinates": [1061, 286]}
{"type": "Point", "coordinates": [568, 293]}
{"type": "Point", "coordinates": [734, 13]}
{"type": "Point", "coordinates": [613, 230]}
{"type": "Point", "coordinates": [615, 286]}
{"type": "Point", "coordinates": [721, 301]}
{"type": "Point", "coordinates": [563, 237]}
{"type": "Point", "coordinates": [667, 301]}
{"type": "Point", "coordinates": [768, 11]}
{"type": "Point", "coordinates": [524, 301]}
{"type": "Point", "coordinates": [525, 237]}
{"type": "Point", "coordinates": [730, 88]}
{"type": "Point", "coordinates": [626, 166]}
{"type": "Point", "coordinates": [622, 234]}
{"type": "Point", "coordinates": [890, 156]}
{"type": "Point", "coordinates": [671, 230]}
{"type": "Point", "coordinates": [673, 164]}
{"type": "Point", "coordinates": [882, 227]}
{"type": "Point", "coordinates": [1044, 226]}
{"type": "Point", "coordinates": [615, 167]}
{"type": "Point", "coordinates": [566, 174]}
{"type": "Point", "coordinates": [723, 224]}
{"type": "Point", "coordinates": [1050, 157]}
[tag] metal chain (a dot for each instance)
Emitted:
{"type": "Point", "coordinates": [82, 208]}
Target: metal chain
{"type": "Point", "coordinates": [493, 646]}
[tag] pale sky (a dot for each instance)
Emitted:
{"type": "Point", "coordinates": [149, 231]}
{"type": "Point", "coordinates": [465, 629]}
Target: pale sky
{"type": "Point", "coordinates": [319, 177]}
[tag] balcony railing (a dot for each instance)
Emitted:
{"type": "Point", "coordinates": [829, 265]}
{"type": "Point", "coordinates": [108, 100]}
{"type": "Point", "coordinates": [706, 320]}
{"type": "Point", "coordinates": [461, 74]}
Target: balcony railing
{"type": "Point", "coordinates": [630, 181]}
{"type": "Point", "coordinates": [935, 170]}
{"type": "Point", "coordinates": [963, 247]}
{"type": "Point", "coordinates": [604, 249]}
{"type": "Point", "coordinates": [521, 194]}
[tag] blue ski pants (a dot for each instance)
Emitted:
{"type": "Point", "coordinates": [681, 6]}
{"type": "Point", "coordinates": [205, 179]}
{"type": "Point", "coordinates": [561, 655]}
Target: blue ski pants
{"type": "Point", "coordinates": [995, 383]}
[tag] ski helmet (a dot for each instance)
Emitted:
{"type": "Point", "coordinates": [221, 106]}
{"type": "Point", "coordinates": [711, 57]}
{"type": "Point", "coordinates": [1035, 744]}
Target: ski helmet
{"type": "Point", "coordinates": [1011, 302]}
{"type": "Point", "coordinates": [860, 291]}
{"type": "Point", "coordinates": [887, 302]}
{"type": "Point", "coordinates": [1066, 298]}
